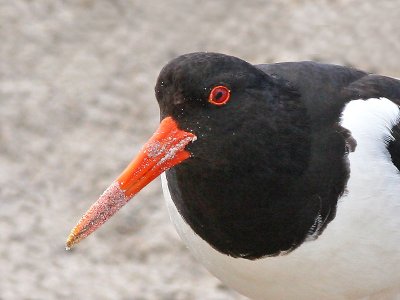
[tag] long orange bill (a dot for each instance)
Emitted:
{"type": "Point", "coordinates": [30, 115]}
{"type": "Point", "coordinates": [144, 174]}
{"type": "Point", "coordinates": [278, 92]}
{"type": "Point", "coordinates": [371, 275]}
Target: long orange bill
{"type": "Point", "coordinates": [165, 149]}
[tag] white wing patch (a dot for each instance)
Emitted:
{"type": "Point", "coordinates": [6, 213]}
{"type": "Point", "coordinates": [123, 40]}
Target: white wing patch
{"type": "Point", "coordinates": [371, 121]}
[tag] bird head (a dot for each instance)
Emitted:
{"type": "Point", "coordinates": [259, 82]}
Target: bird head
{"type": "Point", "coordinates": [205, 102]}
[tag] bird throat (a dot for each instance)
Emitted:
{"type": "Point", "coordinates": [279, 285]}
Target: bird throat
{"type": "Point", "coordinates": [253, 210]}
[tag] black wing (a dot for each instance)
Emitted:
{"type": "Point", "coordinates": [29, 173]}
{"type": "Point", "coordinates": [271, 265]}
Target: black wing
{"type": "Point", "coordinates": [325, 90]}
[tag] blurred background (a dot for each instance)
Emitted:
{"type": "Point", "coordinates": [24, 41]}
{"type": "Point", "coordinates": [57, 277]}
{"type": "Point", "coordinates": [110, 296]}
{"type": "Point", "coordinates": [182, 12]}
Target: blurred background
{"type": "Point", "coordinates": [77, 102]}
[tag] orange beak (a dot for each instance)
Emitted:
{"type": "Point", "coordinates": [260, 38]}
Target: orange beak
{"type": "Point", "coordinates": [165, 149]}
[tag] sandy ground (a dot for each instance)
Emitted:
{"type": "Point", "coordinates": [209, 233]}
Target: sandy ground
{"type": "Point", "coordinates": [76, 95]}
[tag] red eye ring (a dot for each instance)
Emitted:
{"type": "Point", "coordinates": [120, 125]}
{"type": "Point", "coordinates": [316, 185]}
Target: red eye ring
{"type": "Point", "coordinates": [219, 95]}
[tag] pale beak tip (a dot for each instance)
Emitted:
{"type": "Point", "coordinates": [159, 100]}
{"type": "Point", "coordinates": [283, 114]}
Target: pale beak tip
{"type": "Point", "coordinates": [68, 246]}
{"type": "Point", "coordinates": [71, 242]}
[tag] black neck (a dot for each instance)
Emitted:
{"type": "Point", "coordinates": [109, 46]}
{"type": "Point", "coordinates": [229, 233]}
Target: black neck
{"type": "Point", "coordinates": [259, 190]}
{"type": "Point", "coordinates": [247, 210]}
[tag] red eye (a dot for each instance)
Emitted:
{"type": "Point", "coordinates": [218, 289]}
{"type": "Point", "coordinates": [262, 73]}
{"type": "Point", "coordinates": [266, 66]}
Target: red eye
{"type": "Point", "coordinates": [219, 95]}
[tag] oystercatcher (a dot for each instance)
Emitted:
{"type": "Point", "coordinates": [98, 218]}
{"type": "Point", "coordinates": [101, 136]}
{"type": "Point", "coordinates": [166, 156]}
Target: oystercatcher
{"type": "Point", "coordinates": [283, 179]}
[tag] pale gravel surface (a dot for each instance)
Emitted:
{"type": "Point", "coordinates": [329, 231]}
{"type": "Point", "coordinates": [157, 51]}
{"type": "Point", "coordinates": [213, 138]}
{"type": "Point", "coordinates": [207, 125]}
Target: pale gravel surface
{"type": "Point", "coordinates": [76, 95]}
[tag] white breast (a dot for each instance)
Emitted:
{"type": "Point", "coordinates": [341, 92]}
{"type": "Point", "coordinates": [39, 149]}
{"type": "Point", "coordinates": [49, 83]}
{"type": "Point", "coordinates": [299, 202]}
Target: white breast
{"type": "Point", "coordinates": [357, 256]}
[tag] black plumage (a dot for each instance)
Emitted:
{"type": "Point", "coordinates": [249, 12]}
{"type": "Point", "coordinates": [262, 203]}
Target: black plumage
{"type": "Point", "coordinates": [274, 160]}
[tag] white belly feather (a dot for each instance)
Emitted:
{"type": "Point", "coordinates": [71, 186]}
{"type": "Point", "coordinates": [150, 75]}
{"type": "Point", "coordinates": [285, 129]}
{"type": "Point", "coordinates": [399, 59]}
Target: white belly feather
{"type": "Point", "coordinates": [359, 252]}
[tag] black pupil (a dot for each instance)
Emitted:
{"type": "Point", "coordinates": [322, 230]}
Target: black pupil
{"type": "Point", "coordinates": [218, 95]}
